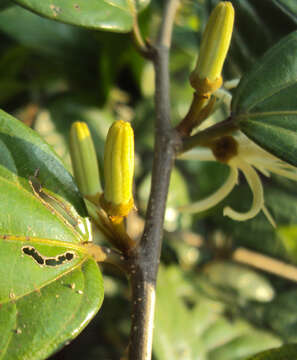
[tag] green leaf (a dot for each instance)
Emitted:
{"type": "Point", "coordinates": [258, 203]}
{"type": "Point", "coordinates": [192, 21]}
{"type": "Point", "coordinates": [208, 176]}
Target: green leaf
{"type": "Point", "coordinates": [202, 330]}
{"type": "Point", "coordinates": [174, 338]}
{"type": "Point", "coordinates": [244, 345]}
{"type": "Point", "coordinates": [264, 104]}
{"type": "Point", "coordinates": [110, 15]}
{"type": "Point", "coordinates": [288, 6]}
{"type": "Point", "coordinates": [23, 151]}
{"type": "Point", "coordinates": [50, 287]}
{"type": "Point", "coordinates": [285, 352]}
{"type": "Point", "coordinates": [47, 37]}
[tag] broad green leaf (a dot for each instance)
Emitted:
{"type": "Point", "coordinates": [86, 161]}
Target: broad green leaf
{"type": "Point", "coordinates": [288, 6]}
{"type": "Point", "coordinates": [45, 36]}
{"type": "Point", "coordinates": [173, 336]}
{"type": "Point", "coordinates": [200, 331]}
{"type": "Point", "coordinates": [66, 54]}
{"type": "Point", "coordinates": [110, 15]}
{"type": "Point", "coordinates": [285, 352]}
{"type": "Point", "coordinates": [50, 287]}
{"type": "Point", "coordinates": [264, 104]}
{"type": "Point", "coordinates": [23, 151]}
{"type": "Point", "coordinates": [244, 345]}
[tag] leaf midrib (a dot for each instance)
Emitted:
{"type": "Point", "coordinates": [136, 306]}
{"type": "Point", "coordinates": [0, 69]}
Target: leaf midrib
{"type": "Point", "coordinates": [265, 60]}
{"type": "Point", "coordinates": [243, 116]}
{"type": "Point", "coordinates": [45, 241]}
{"type": "Point", "coordinates": [116, 6]}
{"type": "Point", "coordinates": [32, 197]}
{"type": "Point", "coordinates": [274, 92]}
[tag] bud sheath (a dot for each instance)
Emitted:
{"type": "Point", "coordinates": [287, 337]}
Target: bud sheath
{"type": "Point", "coordinates": [214, 47]}
{"type": "Point", "coordinates": [84, 160]}
{"type": "Point", "coordinates": [118, 170]}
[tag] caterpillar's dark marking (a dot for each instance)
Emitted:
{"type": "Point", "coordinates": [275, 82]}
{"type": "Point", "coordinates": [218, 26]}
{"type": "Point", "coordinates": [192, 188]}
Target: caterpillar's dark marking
{"type": "Point", "coordinates": [48, 261]}
{"type": "Point", "coordinates": [32, 252]}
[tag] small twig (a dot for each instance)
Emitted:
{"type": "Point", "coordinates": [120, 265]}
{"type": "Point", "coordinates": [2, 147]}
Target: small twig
{"type": "Point", "coordinates": [200, 109]}
{"type": "Point", "coordinates": [206, 136]}
{"type": "Point", "coordinates": [145, 259]}
{"type": "Point", "coordinates": [143, 47]}
{"type": "Point", "coordinates": [165, 33]}
{"type": "Point", "coordinates": [265, 263]}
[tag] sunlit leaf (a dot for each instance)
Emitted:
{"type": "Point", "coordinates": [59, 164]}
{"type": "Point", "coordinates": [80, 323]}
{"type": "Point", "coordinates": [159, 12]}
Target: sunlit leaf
{"type": "Point", "coordinates": [50, 287]}
{"type": "Point", "coordinates": [264, 104]}
{"type": "Point", "coordinates": [110, 15]}
{"type": "Point", "coordinates": [201, 330]}
{"type": "Point", "coordinates": [285, 352]}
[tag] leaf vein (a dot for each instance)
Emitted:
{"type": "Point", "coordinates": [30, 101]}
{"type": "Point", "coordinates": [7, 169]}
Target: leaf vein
{"type": "Point", "coordinates": [108, 2]}
{"type": "Point", "coordinates": [5, 348]}
{"type": "Point", "coordinates": [273, 92]}
{"type": "Point", "coordinates": [267, 113]}
{"type": "Point", "coordinates": [254, 73]}
{"type": "Point", "coordinates": [55, 342]}
{"type": "Point", "coordinates": [50, 281]}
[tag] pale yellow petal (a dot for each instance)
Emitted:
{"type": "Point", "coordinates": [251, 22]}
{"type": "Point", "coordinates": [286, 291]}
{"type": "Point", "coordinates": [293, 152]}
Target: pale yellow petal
{"type": "Point", "coordinates": [269, 216]}
{"type": "Point", "coordinates": [198, 154]}
{"type": "Point", "coordinates": [215, 198]}
{"type": "Point", "coordinates": [255, 184]}
{"type": "Point", "coordinates": [282, 172]}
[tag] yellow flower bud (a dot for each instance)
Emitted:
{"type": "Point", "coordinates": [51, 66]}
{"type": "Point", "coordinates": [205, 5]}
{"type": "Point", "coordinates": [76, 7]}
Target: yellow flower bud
{"type": "Point", "coordinates": [117, 199]}
{"type": "Point", "coordinates": [216, 38]}
{"type": "Point", "coordinates": [84, 161]}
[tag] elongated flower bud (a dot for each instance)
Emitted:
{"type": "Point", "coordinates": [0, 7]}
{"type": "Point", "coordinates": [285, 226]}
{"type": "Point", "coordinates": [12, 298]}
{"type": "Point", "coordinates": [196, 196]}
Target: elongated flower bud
{"type": "Point", "coordinates": [84, 161]}
{"type": "Point", "coordinates": [117, 199]}
{"type": "Point", "coordinates": [216, 38]}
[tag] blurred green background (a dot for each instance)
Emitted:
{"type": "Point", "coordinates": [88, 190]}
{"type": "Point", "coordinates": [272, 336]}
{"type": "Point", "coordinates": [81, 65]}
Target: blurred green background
{"type": "Point", "coordinates": [208, 306]}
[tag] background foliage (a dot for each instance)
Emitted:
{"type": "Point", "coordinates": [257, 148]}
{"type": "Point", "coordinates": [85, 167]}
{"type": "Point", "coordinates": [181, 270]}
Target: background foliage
{"type": "Point", "coordinates": [54, 73]}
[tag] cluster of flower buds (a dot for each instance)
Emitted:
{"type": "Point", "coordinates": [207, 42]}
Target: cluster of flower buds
{"type": "Point", "coordinates": [116, 201]}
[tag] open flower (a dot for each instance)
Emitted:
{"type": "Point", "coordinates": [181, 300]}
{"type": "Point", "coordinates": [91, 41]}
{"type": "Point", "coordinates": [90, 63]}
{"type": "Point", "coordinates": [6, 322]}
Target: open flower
{"type": "Point", "coordinates": [239, 153]}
